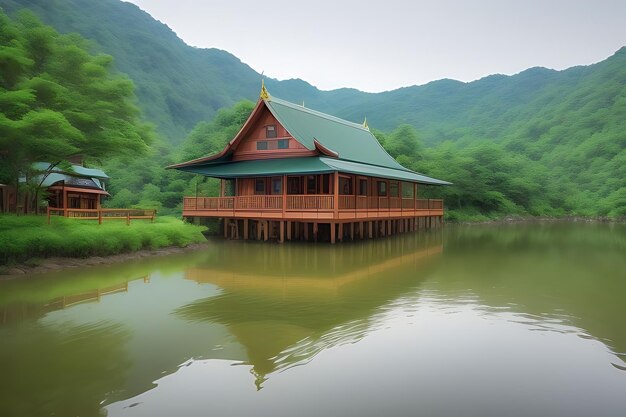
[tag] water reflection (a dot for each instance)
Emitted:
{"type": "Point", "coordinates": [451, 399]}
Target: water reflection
{"type": "Point", "coordinates": [467, 310]}
{"type": "Point", "coordinates": [284, 311]}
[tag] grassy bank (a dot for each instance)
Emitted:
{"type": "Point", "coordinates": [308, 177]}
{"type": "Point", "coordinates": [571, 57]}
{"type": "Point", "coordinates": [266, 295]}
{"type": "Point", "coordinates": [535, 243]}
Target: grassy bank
{"type": "Point", "coordinates": [24, 238]}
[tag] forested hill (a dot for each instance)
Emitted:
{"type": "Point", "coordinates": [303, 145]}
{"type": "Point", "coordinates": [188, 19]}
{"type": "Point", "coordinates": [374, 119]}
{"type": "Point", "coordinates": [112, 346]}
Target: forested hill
{"type": "Point", "coordinates": [178, 85]}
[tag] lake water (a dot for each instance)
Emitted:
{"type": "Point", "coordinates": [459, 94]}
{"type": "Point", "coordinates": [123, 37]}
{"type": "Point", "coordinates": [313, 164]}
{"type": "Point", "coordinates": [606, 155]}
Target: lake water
{"type": "Point", "coordinates": [515, 320]}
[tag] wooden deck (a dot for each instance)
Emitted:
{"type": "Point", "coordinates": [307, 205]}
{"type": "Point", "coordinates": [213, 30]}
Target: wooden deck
{"type": "Point", "coordinates": [311, 207]}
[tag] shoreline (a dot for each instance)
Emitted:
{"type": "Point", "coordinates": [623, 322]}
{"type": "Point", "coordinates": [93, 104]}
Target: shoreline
{"type": "Point", "coordinates": [9, 272]}
{"type": "Point", "coordinates": [59, 263]}
{"type": "Point", "coordinates": [540, 219]}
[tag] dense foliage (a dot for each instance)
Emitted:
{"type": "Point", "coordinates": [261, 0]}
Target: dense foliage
{"type": "Point", "coordinates": [58, 101]}
{"type": "Point", "coordinates": [143, 182]}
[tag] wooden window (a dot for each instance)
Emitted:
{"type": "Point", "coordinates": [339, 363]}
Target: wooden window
{"type": "Point", "coordinates": [362, 186]}
{"type": "Point", "coordinates": [311, 184]}
{"type": "Point", "coordinates": [382, 188]}
{"type": "Point", "coordinates": [270, 131]}
{"type": "Point", "coordinates": [73, 201]}
{"type": "Point", "coordinates": [261, 145]}
{"type": "Point", "coordinates": [326, 178]}
{"type": "Point", "coordinates": [259, 186]}
{"type": "Point", "coordinates": [345, 186]}
{"type": "Point", "coordinates": [294, 185]}
{"type": "Point", "coordinates": [407, 190]}
{"type": "Point", "coordinates": [283, 144]}
{"type": "Point", "coordinates": [277, 185]}
{"type": "Point", "coordinates": [393, 189]}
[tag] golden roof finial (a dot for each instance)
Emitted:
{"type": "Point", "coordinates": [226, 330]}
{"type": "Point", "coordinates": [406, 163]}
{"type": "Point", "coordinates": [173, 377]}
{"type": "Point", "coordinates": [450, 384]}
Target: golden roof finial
{"type": "Point", "coordinates": [365, 125]}
{"type": "Point", "coordinates": [264, 94]}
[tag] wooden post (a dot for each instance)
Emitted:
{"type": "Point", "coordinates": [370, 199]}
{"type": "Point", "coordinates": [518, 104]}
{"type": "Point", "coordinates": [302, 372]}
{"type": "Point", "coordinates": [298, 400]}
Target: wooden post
{"type": "Point", "coordinates": [332, 232]}
{"type": "Point", "coordinates": [128, 218]}
{"type": "Point", "coordinates": [297, 231]}
{"type": "Point", "coordinates": [258, 229]}
{"type": "Point", "coordinates": [389, 227]}
{"type": "Point", "coordinates": [282, 231]}
{"type": "Point", "coordinates": [99, 216]}
{"type": "Point", "coordinates": [306, 231]}
{"type": "Point", "coordinates": [370, 231]}
{"type": "Point", "coordinates": [267, 230]}
{"type": "Point", "coordinates": [340, 234]}
{"type": "Point", "coordinates": [315, 231]}
{"type": "Point", "coordinates": [288, 230]}
{"type": "Point", "coordinates": [352, 230]}
{"type": "Point", "coordinates": [284, 190]}
{"type": "Point", "coordinates": [225, 228]}
{"type": "Point", "coordinates": [65, 213]}
{"type": "Point", "coordinates": [361, 231]}
{"type": "Point", "coordinates": [336, 195]}
{"type": "Point", "coordinates": [245, 229]}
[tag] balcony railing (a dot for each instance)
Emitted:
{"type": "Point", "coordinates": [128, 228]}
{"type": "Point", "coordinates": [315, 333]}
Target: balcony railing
{"type": "Point", "coordinates": [317, 202]}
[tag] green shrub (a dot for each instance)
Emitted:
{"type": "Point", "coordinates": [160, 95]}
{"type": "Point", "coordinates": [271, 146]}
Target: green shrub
{"type": "Point", "coordinates": [26, 237]}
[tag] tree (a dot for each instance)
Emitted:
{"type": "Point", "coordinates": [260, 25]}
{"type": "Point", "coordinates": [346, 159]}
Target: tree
{"type": "Point", "coordinates": [57, 101]}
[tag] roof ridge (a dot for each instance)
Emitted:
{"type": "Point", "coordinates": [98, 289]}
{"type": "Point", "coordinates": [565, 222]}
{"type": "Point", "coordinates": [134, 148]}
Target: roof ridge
{"type": "Point", "coordinates": [318, 113]}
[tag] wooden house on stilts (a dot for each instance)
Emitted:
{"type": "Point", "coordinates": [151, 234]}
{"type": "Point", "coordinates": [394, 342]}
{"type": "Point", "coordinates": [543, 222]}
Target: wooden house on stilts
{"type": "Point", "coordinates": [295, 173]}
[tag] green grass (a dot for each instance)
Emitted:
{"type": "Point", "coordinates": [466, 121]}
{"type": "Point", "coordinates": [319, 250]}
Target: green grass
{"type": "Point", "coordinates": [23, 238]}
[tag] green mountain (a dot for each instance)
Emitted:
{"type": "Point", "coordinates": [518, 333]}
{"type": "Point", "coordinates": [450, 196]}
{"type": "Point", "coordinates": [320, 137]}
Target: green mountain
{"type": "Point", "coordinates": [539, 142]}
{"type": "Point", "coordinates": [179, 85]}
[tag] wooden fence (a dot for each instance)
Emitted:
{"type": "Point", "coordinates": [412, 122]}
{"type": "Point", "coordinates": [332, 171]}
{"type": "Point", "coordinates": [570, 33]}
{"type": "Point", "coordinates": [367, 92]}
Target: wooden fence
{"type": "Point", "coordinates": [102, 214]}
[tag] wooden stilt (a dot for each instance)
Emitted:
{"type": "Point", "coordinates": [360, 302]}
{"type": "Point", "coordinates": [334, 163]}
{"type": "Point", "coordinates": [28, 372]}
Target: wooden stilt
{"type": "Point", "coordinates": [315, 231]}
{"type": "Point", "coordinates": [370, 231]}
{"type": "Point", "coordinates": [306, 231]}
{"type": "Point", "coordinates": [340, 233]}
{"type": "Point", "coordinates": [281, 226]}
{"type": "Point", "coordinates": [266, 230]}
{"type": "Point", "coordinates": [245, 229]}
{"type": "Point", "coordinates": [388, 227]}
{"type": "Point", "coordinates": [352, 230]}
{"type": "Point", "coordinates": [332, 233]}
{"type": "Point", "coordinates": [225, 228]}
{"type": "Point", "coordinates": [361, 231]}
{"type": "Point", "coordinates": [288, 230]}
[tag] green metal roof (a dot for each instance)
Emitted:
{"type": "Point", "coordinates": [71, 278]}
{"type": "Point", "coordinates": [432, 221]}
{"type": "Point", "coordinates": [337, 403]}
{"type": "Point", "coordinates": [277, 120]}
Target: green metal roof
{"type": "Point", "coordinates": [78, 170]}
{"type": "Point", "coordinates": [352, 141]}
{"type": "Point", "coordinates": [305, 165]}
{"type": "Point", "coordinates": [358, 151]}
{"type": "Point", "coordinates": [261, 168]}
{"type": "Point", "coordinates": [382, 172]}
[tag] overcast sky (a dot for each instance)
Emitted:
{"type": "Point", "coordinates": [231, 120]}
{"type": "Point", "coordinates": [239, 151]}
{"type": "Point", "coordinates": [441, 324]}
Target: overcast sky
{"type": "Point", "coordinates": [383, 45]}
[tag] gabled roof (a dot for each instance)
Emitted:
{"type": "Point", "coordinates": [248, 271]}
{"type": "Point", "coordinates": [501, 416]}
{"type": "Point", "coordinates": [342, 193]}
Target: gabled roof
{"type": "Point", "coordinates": [351, 141]}
{"type": "Point", "coordinates": [340, 145]}
{"type": "Point", "coordinates": [79, 176]}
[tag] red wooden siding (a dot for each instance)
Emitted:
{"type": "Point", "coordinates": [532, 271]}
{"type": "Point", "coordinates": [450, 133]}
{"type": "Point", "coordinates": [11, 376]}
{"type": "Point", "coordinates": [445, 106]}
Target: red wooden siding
{"type": "Point", "coordinates": [247, 148]}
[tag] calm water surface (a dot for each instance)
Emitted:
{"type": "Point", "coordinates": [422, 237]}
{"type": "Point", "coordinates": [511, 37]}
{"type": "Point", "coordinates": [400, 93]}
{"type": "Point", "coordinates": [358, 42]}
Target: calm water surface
{"type": "Point", "coordinates": [516, 320]}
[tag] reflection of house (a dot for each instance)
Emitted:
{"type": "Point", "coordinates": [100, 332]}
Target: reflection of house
{"type": "Point", "coordinates": [284, 313]}
{"type": "Point", "coordinates": [77, 187]}
{"type": "Point", "coordinates": [21, 311]}
{"type": "Point", "coordinates": [293, 172]}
